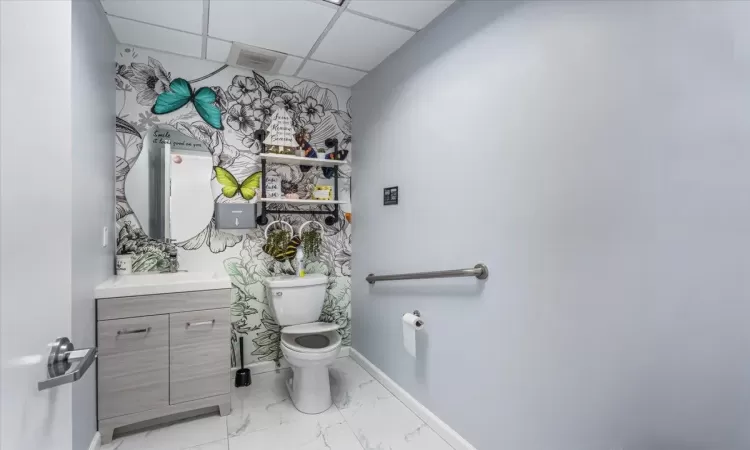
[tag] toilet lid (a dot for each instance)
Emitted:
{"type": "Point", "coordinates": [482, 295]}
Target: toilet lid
{"type": "Point", "coordinates": [310, 328]}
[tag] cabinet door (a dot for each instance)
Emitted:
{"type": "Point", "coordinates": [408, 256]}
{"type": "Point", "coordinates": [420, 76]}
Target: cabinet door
{"type": "Point", "coordinates": [199, 354]}
{"type": "Point", "coordinates": [133, 365]}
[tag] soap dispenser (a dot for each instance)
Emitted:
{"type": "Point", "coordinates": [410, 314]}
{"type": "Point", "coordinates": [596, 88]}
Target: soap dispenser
{"type": "Point", "coordinates": [300, 262]}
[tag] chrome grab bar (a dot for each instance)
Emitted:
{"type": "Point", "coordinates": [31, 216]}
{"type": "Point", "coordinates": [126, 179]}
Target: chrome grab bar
{"type": "Point", "coordinates": [139, 330]}
{"type": "Point", "coordinates": [480, 271]}
{"type": "Point", "coordinates": [195, 324]}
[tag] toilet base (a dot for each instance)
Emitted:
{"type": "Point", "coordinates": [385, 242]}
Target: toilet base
{"type": "Point", "coordinates": [310, 389]}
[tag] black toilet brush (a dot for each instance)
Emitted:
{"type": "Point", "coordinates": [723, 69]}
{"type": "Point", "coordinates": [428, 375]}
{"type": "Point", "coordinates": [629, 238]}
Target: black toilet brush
{"type": "Point", "coordinates": [242, 378]}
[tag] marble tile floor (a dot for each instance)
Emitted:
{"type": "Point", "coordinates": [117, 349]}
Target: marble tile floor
{"type": "Point", "coordinates": [365, 415]}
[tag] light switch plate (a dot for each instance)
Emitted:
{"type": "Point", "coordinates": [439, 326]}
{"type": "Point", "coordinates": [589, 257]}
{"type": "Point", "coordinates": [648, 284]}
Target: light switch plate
{"type": "Point", "coordinates": [390, 195]}
{"type": "Point", "coordinates": [105, 237]}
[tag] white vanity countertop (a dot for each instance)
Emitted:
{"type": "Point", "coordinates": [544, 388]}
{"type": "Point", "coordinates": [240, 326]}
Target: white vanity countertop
{"type": "Point", "coordinates": [160, 283]}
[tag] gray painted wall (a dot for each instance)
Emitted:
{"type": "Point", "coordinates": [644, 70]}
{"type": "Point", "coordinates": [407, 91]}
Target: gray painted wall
{"type": "Point", "coordinates": [93, 122]}
{"type": "Point", "coordinates": [596, 155]}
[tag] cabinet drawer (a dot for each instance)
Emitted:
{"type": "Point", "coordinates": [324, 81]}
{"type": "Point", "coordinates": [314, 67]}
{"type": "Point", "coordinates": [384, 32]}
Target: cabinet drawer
{"type": "Point", "coordinates": [199, 354]}
{"type": "Point", "coordinates": [133, 365]}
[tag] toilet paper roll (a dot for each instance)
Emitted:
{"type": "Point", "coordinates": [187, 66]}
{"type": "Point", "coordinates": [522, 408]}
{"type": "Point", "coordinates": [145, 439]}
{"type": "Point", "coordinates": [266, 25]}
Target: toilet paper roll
{"type": "Point", "coordinates": [411, 325]}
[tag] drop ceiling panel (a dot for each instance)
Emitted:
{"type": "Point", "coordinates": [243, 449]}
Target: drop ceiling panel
{"type": "Point", "coordinates": [288, 26]}
{"type": "Point", "coordinates": [328, 73]}
{"type": "Point", "coordinates": [290, 65]}
{"type": "Point", "coordinates": [414, 14]}
{"type": "Point", "coordinates": [181, 15]}
{"type": "Point", "coordinates": [150, 36]}
{"type": "Point", "coordinates": [217, 50]}
{"type": "Point", "coordinates": [360, 43]}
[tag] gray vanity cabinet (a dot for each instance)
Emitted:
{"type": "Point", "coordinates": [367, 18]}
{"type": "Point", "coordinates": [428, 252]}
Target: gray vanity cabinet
{"type": "Point", "coordinates": [198, 364]}
{"type": "Point", "coordinates": [133, 365]}
{"type": "Point", "coordinates": [161, 355]}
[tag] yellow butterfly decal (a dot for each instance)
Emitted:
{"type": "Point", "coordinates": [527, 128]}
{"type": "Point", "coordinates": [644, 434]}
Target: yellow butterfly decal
{"type": "Point", "coordinates": [230, 186]}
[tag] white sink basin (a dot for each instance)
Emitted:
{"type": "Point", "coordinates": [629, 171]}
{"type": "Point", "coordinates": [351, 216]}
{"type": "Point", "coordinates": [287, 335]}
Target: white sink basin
{"type": "Point", "coordinates": [160, 283]}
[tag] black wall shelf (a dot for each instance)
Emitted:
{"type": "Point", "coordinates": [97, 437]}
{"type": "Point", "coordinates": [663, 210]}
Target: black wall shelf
{"type": "Point", "coordinates": [331, 211]}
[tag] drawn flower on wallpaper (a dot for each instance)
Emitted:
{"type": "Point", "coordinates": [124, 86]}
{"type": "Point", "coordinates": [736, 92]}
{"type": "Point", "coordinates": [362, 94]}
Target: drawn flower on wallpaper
{"type": "Point", "coordinates": [147, 120]}
{"type": "Point", "coordinates": [343, 261]}
{"type": "Point", "coordinates": [240, 118]}
{"type": "Point", "coordinates": [310, 111]}
{"type": "Point", "coordinates": [267, 342]}
{"type": "Point", "coordinates": [243, 89]}
{"type": "Point", "coordinates": [251, 144]}
{"type": "Point", "coordinates": [252, 266]}
{"type": "Point", "coordinates": [242, 310]}
{"type": "Point", "coordinates": [121, 85]}
{"type": "Point", "coordinates": [149, 80]}
{"type": "Point", "coordinates": [122, 74]}
{"type": "Point", "coordinates": [336, 306]}
{"type": "Point", "coordinates": [216, 240]}
{"type": "Point", "coordinates": [209, 136]}
{"type": "Point", "coordinates": [121, 70]}
{"type": "Point", "coordinates": [262, 109]}
{"type": "Point", "coordinates": [221, 98]}
{"type": "Point", "coordinates": [344, 122]}
{"type": "Point", "coordinates": [287, 100]}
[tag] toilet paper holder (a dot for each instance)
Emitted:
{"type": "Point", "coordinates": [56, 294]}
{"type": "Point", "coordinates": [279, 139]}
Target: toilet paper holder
{"type": "Point", "coordinates": [418, 314]}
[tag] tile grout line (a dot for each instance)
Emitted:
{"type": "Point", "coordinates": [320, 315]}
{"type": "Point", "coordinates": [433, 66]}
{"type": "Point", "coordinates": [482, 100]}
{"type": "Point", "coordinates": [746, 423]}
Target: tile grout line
{"type": "Point", "coordinates": [153, 25]}
{"type": "Point", "coordinates": [226, 421]}
{"type": "Point", "coordinates": [322, 36]}
{"type": "Point", "coordinates": [204, 26]}
{"type": "Point", "coordinates": [404, 404]}
{"type": "Point", "coordinates": [384, 21]}
{"type": "Point", "coordinates": [348, 425]}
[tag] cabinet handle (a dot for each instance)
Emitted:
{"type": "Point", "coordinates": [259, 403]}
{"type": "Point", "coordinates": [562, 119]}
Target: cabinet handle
{"type": "Point", "coordinates": [138, 331]}
{"type": "Point", "coordinates": [195, 324]}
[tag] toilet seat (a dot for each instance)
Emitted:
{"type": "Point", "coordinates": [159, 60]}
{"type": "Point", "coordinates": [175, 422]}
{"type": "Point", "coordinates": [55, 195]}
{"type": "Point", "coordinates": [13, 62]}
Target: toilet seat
{"type": "Point", "coordinates": [309, 328]}
{"type": "Point", "coordinates": [311, 343]}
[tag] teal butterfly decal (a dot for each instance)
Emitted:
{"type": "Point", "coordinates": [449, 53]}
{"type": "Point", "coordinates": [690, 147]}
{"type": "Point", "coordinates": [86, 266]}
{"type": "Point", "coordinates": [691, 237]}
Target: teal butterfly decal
{"type": "Point", "coordinates": [180, 94]}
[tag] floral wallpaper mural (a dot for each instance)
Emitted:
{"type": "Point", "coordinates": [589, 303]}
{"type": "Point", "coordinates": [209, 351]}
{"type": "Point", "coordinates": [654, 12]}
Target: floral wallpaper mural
{"type": "Point", "coordinates": [243, 103]}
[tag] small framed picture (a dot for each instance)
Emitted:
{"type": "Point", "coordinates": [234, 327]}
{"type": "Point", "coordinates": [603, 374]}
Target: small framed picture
{"type": "Point", "coordinates": [273, 186]}
{"type": "Point", "coordinates": [322, 193]}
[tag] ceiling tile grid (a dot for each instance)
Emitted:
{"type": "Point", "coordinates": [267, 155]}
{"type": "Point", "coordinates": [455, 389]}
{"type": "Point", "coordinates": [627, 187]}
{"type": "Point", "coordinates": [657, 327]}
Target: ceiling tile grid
{"type": "Point", "coordinates": [328, 73]}
{"type": "Point", "coordinates": [360, 43]}
{"type": "Point", "coordinates": [180, 15]}
{"type": "Point", "coordinates": [324, 42]}
{"type": "Point", "coordinates": [409, 13]}
{"type": "Point", "coordinates": [217, 50]}
{"type": "Point", "coordinates": [291, 65]}
{"type": "Point", "coordinates": [284, 26]}
{"type": "Point", "coordinates": [158, 38]}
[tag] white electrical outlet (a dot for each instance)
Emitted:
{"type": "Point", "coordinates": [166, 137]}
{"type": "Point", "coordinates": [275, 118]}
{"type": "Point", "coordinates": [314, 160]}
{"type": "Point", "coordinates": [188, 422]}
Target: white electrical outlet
{"type": "Point", "coordinates": [105, 237]}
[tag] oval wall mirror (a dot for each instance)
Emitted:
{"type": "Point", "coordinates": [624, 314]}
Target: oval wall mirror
{"type": "Point", "coordinates": [169, 186]}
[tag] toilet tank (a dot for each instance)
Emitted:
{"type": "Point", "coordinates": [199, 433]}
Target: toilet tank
{"type": "Point", "coordinates": [296, 300]}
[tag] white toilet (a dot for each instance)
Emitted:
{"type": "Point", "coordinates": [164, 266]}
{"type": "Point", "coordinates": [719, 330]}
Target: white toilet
{"type": "Point", "coordinates": [308, 345]}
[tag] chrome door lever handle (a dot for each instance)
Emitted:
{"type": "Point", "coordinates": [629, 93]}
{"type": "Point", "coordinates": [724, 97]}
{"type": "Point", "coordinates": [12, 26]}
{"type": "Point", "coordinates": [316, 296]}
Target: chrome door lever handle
{"type": "Point", "coordinates": [65, 364]}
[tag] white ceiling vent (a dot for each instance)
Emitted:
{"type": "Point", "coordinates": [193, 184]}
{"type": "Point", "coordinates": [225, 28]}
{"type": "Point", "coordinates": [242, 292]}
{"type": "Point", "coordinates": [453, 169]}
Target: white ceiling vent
{"type": "Point", "coordinates": [254, 58]}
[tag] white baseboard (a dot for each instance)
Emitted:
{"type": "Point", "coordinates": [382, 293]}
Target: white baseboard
{"type": "Point", "coordinates": [270, 366]}
{"type": "Point", "coordinates": [96, 442]}
{"type": "Point", "coordinates": [441, 428]}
